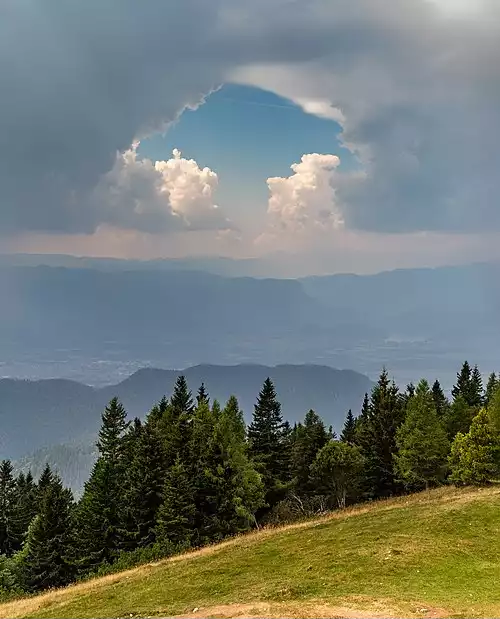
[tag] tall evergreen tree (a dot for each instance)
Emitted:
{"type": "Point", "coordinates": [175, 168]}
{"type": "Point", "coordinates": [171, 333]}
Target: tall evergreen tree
{"type": "Point", "coordinates": [25, 508]}
{"type": "Point", "coordinates": [8, 537]}
{"type": "Point", "coordinates": [458, 417]}
{"type": "Point", "coordinates": [440, 401]}
{"type": "Point", "coordinates": [476, 389]}
{"type": "Point", "coordinates": [101, 510]}
{"type": "Point", "coordinates": [469, 386]}
{"type": "Point", "coordinates": [462, 386]}
{"type": "Point", "coordinates": [267, 443]}
{"type": "Point", "coordinates": [491, 387]}
{"type": "Point", "coordinates": [228, 489]}
{"type": "Point", "coordinates": [202, 395]}
{"type": "Point", "coordinates": [422, 444]}
{"type": "Point", "coordinates": [234, 418]}
{"type": "Point", "coordinates": [310, 438]}
{"type": "Point", "coordinates": [175, 520]}
{"type": "Point", "coordinates": [47, 561]}
{"type": "Point", "coordinates": [113, 428]}
{"type": "Point", "coordinates": [182, 398]}
{"type": "Point", "coordinates": [44, 482]}
{"type": "Point", "coordinates": [349, 432]}
{"type": "Point", "coordinates": [376, 436]}
{"type": "Point", "coordinates": [144, 492]}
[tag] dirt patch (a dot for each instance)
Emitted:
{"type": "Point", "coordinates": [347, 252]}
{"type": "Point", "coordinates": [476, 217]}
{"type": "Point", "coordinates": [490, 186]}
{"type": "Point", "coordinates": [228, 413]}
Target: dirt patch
{"type": "Point", "coordinates": [310, 610]}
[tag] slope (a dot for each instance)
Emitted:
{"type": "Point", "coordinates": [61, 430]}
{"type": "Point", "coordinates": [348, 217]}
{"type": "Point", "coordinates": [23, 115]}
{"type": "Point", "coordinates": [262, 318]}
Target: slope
{"type": "Point", "coordinates": [436, 554]}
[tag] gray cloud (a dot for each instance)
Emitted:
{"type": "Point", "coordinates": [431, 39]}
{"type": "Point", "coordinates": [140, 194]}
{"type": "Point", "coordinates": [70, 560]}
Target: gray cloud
{"type": "Point", "coordinates": [419, 93]}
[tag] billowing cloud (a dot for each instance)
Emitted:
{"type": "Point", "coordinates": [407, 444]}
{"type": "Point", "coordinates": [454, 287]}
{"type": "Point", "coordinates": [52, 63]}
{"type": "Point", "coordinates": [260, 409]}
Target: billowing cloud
{"type": "Point", "coordinates": [415, 86]}
{"type": "Point", "coordinates": [157, 197]}
{"type": "Point", "coordinates": [306, 199]}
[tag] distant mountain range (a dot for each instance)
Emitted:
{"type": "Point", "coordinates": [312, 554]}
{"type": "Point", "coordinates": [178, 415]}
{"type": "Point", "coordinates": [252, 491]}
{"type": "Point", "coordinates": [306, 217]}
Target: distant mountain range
{"type": "Point", "coordinates": [97, 321]}
{"type": "Point", "coordinates": [40, 414]}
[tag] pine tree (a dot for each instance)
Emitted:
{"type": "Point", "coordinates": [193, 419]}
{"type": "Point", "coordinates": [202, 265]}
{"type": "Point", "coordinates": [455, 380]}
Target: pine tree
{"type": "Point", "coordinates": [462, 386]}
{"type": "Point", "coordinates": [469, 386]}
{"type": "Point", "coordinates": [349, 432]}
{"type": "Point", "coordinates": [8, 537]}
{"type": "Point", "coordinates": [491, 387]}
{"type": "Point", "coordinates": [422, 444]}
{"type": "Point", "coordinates": [376, 436]}
{"type": "Point", "coordinates": [228, 489]}
{"type": "Point", "coordinates": [458, 417]}
{"type": "Point", "coordinates": [440, 401]}
{"type": "Point", "coordinates": [47, 561]}
{"type": "Point", "coordinates": [337, 471]}
{"type": "Point", "coordinates": [234, 417]}
{"type": "Point", "coordinates": [476, 389]}
{"type": "Point", "coordinates": [25, 507]}
{"type": "Point", "coordinates": [44, 482]}
{"type": "Point", "coordinates": [474, 458]}
{"type": "Point", "coordinates": [101, 511]}
{"type": "Point", "coordinates": [113, 429]}
{"type": "Point", "coordinates": [310, 438]}
{"type": "Point", "coordinates": [267, 444]}
{"type": "Point", "coordinates": [143, 495]}
{"type": "Point", "coordinates": [182, 399]}
{"type": "Point", "coordinates": [99, 519]}
{"type": "Point", "coordinates": [362, 421]}
{"type": "Point", "coordinates": [202, 395]}
{"type": "Point", "coordinates": [176, 516]}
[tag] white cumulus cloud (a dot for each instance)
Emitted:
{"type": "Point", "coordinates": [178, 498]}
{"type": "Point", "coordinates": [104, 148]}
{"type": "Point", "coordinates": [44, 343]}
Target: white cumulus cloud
{"type": "Point", "coordinates": [159, 196]}
{"type": "Point", "coordinates": [307, 198]}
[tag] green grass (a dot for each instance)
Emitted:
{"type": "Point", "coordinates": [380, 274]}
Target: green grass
{"type": "Point", "coordinates": [435, 554]}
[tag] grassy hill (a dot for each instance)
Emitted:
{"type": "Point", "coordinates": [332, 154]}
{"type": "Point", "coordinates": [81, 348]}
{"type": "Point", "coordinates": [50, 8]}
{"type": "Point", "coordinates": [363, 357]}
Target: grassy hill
{"type": "Point", "coordinates": [431, 555]}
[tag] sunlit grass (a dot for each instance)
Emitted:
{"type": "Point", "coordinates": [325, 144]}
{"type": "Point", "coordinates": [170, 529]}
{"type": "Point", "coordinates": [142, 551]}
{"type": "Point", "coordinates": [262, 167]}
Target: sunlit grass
{"type": "Point", "coordinates": [434, 554]}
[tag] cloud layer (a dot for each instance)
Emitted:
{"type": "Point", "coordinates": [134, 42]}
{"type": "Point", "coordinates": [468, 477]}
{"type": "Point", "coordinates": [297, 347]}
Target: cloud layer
{"type": "Point", "coordinates": [415, 86]}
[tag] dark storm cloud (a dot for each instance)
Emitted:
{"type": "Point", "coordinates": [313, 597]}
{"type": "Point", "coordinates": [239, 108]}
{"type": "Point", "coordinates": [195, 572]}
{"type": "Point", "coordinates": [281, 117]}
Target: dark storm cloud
{"type": "Point", "coordinates": [81, 79]}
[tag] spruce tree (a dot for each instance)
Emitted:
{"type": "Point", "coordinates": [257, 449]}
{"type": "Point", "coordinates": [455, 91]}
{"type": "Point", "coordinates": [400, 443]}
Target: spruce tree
{"type": "Point", "coordinates": [476, 389]}
{"type": "Point", "coordinates": [234, 417]}
{"type": "Point", "coordinates": [310, 438]}
{"type": "Point", "coordinates": [143, 494]}
{"type": "Point", "coordinates": [462, 386]}
{"type": "Point", "coordinates": [422, 444]}
{"type": "Point", "coordinates": [8, 533]}
{"type": "Point", "coordinates": [47, 561]}
{"type": "Point", "coordinates": [101, 511]}
{"type": "Point", "coordinates": [349, 432]}
{"type": "Point", "coordinates": [182, 399]}
{"type": "Point", "coordinates": [25, 507]}
{"type": "Point", "coordinates": [202, 395]}
{"type": "Point", "coordinates": [440, 401]}
{"type": "Point", "coordinates": [229, 490]}
{"type": "Point", "coordinates": [267, 443]}
{"type": "Point", "coordinates": [469, 386]}
{"type": "Point", "coordinates": [376, 436]}
{"type": "Point", "coordinates": [175, 519]}
{"type": "Point", "coordinates": [111, 434]}
{"type": "Point", "coordinates": [491, 387]}
{"type": "Point", "coordinates": [44, 482]}
{"type": "Point", "coordinates": [458, 417]}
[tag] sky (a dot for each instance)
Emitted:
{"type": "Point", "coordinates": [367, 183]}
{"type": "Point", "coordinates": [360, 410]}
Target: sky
{"type": "Point", "coordinates": [349, 135]}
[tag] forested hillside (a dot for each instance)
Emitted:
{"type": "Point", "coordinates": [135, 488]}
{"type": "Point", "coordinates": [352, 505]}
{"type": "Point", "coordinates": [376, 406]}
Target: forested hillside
{"type": "Point", "coordinates": [193, 473]}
